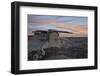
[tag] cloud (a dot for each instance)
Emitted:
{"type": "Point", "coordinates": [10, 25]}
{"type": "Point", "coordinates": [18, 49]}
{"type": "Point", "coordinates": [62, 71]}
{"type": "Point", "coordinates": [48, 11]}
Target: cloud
{"type": "Point", "coordinates": [36, 23]}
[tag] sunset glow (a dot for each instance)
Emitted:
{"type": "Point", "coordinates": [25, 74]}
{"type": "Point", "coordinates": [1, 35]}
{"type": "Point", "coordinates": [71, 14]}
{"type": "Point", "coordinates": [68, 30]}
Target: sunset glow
{"type": "Point", "coordinates": [77, 24]}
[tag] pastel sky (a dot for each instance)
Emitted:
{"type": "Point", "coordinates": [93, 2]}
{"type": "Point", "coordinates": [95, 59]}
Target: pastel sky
{"type": "Point", "coordinates": [77, 24]}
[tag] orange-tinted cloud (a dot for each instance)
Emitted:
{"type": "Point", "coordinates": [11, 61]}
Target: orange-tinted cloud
{"type": "Point", "coordinates": [78, 30]}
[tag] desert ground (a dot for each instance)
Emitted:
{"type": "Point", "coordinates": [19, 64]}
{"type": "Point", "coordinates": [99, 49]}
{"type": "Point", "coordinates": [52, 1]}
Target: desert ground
{"type": "Point", "coordinates": [74, 48]}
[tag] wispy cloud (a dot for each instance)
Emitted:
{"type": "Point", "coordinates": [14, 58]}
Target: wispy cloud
{"type": "Point", "coordinates": [77, 24]}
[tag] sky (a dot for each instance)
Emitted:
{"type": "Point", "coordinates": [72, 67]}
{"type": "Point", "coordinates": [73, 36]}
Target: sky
{"type": "Point", "coordinates": [76, 24]}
